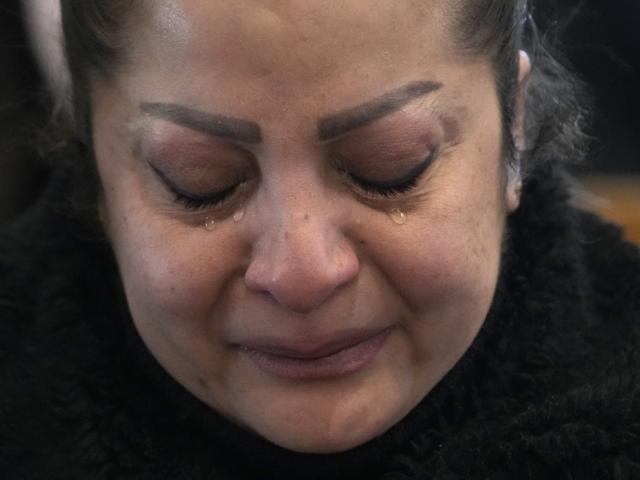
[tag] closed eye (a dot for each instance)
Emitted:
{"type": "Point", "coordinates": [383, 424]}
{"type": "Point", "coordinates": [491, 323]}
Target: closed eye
{"type": "Point", "coordinates": [393, 187]}
{"type": "Point", "coordinates": [202, 203]}
{"type": "Point", "coordinates": [193, 201]}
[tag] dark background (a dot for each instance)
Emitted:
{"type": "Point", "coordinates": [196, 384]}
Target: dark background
{"type": "Point", "coordinates": [23, 110]}
{"type": "Point", "coordinates": [600, 38]}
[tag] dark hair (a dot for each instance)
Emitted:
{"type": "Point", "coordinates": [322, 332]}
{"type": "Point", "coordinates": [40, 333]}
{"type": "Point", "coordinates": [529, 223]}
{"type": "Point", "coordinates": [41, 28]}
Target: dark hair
{"type": "Point", "coordinates": [557, 105]}
{"type": "Point", "coordinates": [94, 36]}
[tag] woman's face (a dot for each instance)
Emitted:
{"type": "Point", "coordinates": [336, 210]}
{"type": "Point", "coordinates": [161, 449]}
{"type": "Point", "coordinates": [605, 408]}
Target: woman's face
{"type": "Point", "coordinates": [307, 202]}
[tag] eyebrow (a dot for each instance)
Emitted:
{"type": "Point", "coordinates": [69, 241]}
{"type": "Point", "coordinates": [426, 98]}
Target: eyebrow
{"type": "Point", "coordinates": [341, 123]}
{"type": "Point", "coordinates": [246, 131]}
{"type": "Point", "coordinates": [234, 129]}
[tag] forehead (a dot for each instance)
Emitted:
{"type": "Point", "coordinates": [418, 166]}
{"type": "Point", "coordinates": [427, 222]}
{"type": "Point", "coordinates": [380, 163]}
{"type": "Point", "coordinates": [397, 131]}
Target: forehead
{"type": "Point", "coordinates": [254, 26]}
{"type": "Point", "coordinates": [284, 41]}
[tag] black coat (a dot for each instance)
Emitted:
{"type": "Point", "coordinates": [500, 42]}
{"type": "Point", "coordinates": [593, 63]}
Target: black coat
{"type": "Point", "coordinates": [549, 389]}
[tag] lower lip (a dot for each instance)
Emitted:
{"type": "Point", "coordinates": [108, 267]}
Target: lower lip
{"type": "Point", "coordinates": [343, 362]}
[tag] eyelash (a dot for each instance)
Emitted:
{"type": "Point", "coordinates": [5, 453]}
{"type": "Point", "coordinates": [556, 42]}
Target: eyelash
{"type": "Point", "coordinates": [387, 191]}
{"type": "Point", "coordinates": [216, 200]}
{"type": "Point", "coordinates": [394, 188]}
{"type": "Point", "coordinates": [368, 188]}
{"type": "Point", "coordinates": [189, 201]}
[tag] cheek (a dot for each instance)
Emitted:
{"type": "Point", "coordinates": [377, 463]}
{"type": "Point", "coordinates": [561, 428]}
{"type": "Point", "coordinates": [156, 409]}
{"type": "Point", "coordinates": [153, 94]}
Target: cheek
{"type": "Point", "coordinates": [175, 277]}
{"type": "Point", "coordinates": [173, 273]}
{"type": "Point", "coordinates": [450, 252]}
{"type": "Point", "coordinates": [445, 267]}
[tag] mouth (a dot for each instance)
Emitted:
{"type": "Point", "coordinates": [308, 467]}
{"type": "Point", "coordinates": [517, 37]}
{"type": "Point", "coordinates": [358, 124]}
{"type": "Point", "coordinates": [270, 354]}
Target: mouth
{"type": "Point", "coordinates": [316, 360]}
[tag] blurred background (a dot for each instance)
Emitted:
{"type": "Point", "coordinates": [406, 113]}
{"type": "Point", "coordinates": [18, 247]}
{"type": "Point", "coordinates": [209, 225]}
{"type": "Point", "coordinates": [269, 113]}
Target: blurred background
{"type": "Point", "coordinates": [600, 38]}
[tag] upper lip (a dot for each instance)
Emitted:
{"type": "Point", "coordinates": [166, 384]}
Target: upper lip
{"type": "Point", "coordinates": [311, 348]}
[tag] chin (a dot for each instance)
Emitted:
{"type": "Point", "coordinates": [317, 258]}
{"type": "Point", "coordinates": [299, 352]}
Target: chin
{"type": "Point", "coordinates": [331, 415]}
{"type": "Point", "coordinates": [315, 442]}
{"type": "Point", "coordinates": [327, 427]}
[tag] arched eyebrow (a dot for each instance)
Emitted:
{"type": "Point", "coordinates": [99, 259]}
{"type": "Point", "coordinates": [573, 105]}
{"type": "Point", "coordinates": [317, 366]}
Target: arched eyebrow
{"type": "Point", "coordinates": [246, 131]}
{"type": "Point", "coordinates": [356, 117]}
{"type": "Point", "coordinates": [235, 129]}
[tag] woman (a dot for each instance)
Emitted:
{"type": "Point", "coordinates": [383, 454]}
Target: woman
{"type": "Point", "coordinates": [328, 241]}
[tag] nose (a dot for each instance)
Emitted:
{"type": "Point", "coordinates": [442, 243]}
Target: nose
{"type": "Point", "coordinates": [302, 261]}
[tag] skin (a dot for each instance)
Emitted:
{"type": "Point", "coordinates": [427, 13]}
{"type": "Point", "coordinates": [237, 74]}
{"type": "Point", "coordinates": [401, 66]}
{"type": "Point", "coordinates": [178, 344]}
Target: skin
{"type": "Point", "coordinates": [313, 255]}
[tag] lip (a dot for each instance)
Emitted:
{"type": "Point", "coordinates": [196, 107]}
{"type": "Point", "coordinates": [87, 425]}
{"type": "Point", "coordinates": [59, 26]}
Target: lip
{"type": "Point", "coordinates": [308, 360]}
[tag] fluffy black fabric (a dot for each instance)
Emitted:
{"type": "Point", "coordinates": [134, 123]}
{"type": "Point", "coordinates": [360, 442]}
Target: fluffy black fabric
{"type": "Point", "coordinates": [549, 389]}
